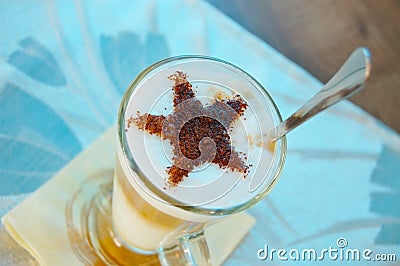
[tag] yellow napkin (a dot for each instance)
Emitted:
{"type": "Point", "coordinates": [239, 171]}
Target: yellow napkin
{"type": "Point", "coordinates": [38, 224]}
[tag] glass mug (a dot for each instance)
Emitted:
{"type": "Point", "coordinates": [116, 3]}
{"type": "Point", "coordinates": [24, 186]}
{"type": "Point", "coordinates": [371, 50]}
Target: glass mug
{"type": "Point", "coordinates": [153, 216]}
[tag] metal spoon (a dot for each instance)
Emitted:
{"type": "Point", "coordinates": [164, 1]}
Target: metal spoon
{"type": "Point", "coordinates": [348, 80]}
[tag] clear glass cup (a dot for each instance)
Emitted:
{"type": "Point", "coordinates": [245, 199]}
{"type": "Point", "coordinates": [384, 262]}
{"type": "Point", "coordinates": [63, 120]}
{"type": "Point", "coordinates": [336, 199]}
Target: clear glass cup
{"type": "Point", "coordinates": [152, 216]}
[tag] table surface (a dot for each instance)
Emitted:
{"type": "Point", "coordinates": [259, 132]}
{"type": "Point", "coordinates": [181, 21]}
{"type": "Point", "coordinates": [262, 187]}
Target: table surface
{"type": "Point", "coordinates": [318, 35]}
{"type": "Point", "coordinates": [64, 67]}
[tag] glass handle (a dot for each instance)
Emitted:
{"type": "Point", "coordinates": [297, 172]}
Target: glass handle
{"type": "Point", "coordinates": [188, 249]}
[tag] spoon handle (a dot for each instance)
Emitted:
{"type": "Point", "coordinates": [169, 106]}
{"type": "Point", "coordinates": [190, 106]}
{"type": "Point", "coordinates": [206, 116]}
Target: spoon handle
{"type": "Point", "coordinates": [349, 79]}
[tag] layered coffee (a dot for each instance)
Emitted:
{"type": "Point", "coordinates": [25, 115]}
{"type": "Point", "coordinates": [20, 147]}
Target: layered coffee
{"type": "Point", "coordinates": [194, 145]}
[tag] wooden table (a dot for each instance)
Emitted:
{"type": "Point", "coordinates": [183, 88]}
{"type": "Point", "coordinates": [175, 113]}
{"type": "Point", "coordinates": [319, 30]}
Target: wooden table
{"type": "Point", "coordinates": [319, 35]}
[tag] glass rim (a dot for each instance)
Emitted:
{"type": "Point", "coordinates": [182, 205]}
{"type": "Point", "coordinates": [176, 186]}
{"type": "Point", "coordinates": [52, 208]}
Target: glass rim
{"type": "Point", "coordinates": [128, 158]}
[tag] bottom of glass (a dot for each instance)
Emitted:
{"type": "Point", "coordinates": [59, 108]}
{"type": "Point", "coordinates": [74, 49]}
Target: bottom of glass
{"type": "Point", "coordinates": [89, 226]}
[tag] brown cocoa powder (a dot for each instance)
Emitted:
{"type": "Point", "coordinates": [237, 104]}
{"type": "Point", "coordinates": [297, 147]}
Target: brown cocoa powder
{"type": "Point", "coordinates": [198, 134]}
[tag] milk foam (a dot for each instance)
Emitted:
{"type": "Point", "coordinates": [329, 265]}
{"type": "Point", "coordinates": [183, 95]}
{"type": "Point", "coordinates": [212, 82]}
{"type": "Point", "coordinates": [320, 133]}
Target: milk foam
{"type": "Point", "coordinates": [210, 186]}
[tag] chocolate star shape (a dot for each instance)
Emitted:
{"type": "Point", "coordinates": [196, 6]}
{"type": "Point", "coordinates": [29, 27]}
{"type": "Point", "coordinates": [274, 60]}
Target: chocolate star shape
{"type": "Point", "coordinates": [198, 134]}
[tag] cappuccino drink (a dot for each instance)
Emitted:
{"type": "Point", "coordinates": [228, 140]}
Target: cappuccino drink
{"type": "Point", "coordinates": [193, 146]}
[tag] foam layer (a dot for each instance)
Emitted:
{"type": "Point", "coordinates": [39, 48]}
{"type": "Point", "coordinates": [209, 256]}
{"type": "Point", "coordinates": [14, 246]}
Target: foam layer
{"type": "Point", "coordinates": [208, 185]}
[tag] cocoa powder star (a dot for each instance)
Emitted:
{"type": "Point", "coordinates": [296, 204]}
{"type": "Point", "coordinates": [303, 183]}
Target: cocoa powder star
{"type": "Point", "coordinates": [198, 134]}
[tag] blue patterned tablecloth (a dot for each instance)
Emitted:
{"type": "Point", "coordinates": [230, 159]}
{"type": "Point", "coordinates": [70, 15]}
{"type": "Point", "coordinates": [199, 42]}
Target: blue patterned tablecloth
{"type": "Point", "coordinates": [65, 64]}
